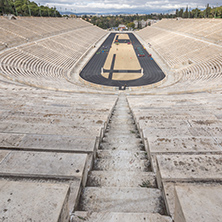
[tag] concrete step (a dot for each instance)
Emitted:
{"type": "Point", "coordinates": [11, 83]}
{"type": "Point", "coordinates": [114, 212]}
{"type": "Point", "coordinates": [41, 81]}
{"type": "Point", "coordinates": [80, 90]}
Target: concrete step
{"type": "Point", "coordinates": [120, 129]}
{"type": "Point", "coordinates": [121, 179]}
{"type": "Point", "coordinates": [114, 199]}
{"type": "Point", "coordinates": [123, 142]}
{"type": "Point", "coordinates": [80, 216]}
{"type": "Point", "coordinates": [122, 163]}
{"type": "Point", "coordinates": [117, 154]}
{"type": "Point", "coordinates": [121, 122]}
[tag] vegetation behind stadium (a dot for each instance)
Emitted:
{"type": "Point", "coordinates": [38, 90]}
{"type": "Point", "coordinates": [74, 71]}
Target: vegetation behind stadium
{"type": "Point", "coordinates": [26, 8]}
{"type": "Point", "coordinates": [107, 22]}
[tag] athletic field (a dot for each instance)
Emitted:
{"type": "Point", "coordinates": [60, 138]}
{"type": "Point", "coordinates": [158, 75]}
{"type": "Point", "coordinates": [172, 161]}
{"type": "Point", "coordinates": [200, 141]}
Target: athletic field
{"type": "Point", "coordinates": [122, 61]}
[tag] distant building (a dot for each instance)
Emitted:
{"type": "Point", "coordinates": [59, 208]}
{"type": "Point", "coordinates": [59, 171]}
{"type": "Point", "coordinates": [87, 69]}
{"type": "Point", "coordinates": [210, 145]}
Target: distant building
{"type": "Point", "coordinates": [122, 27]}
{"type": "Point", "coordinates": [114, 29]}
{"type": "Point", "coordinates": [136, 23]}
{"type": "Point", "coordinates": [151, 21]}
{"type": "Point", "coordinates": [143, 24]}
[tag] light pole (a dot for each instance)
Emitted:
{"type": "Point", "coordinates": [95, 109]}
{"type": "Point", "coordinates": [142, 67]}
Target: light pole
{"type": "Point", "coordinates": [29, 8]}
{"type": "Point", "coordinates": [48, 9]}
{"type": "Point", "coordinates": [216, 11]}
{"type": "Point", "coordinates": [15, 8]}
{"type": "Point", "coordinates": [196, 12]}
{"type": "Point", "coordinates": [40, 13]}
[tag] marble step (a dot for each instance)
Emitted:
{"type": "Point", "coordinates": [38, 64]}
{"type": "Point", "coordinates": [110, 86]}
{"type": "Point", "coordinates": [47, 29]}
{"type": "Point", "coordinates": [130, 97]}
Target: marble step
{"type": "Point", "coordinates": [80, 216]}
{"type": "Point", "coordinates": [123, 142]}
{"type": "Point", "coordinates": [121, 179]}
{"type": "Point", "coordinates": [121, 162]}
{"type": "Point", "coordinates": [119, 154]}
{"type": "Point", "coordinates": [113, 199]}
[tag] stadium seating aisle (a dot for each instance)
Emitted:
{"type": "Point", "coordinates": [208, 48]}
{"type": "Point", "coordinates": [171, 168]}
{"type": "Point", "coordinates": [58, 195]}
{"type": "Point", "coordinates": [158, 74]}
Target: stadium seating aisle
{"type": "Point", "coordinates": [189, 51]}
{"type": "Point", "coordinates": [183, 135]}
{"type": "Point", "coordinates": [48, 140]}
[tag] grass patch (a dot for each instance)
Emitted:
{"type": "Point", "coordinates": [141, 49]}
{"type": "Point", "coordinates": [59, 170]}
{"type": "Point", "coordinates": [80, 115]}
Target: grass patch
{"type": "Point", "coordinates": [145, 184]}
{"type": "Point", "coordinates": [81, 218]}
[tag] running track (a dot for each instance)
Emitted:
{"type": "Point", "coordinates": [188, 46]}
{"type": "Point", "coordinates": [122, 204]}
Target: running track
{"type": "Point", "coordinates": [92, 71]}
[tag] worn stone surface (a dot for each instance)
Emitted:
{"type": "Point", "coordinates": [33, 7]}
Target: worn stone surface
{"type": "Point", "coordinates": [27, 201]}
{"type": "Point", "coordinates": [43, 165]}
{"type": "Point", "coordinates": [122, 160]}
{"type": "Point", "coordinates": [190, 167]}
{"type": "Point", "coordinates": [80, 216]}
{"type": "Point", "coordinates": [183, 144]}
{"type": "Point", "coordinates": [121, 179]}
{"type": "Point", "coordinates": [78, 143]}
{"type": "Point", "coordinates": [198, 203]}
{"type": "Point", "coordinates": [143, 123]}
{"type": "Point", "coordinates": [121, 199]}
{"type": "Point", "coordinates": [169, 196]}
{"type": "Point", "coordinates": [175, 132]}
{"type": "Point", "coordinates": [48, 129]}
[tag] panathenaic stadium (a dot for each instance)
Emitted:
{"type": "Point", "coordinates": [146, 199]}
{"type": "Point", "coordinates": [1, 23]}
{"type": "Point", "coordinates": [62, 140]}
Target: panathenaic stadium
{"type": "Point", "coordinates": [105, 126]}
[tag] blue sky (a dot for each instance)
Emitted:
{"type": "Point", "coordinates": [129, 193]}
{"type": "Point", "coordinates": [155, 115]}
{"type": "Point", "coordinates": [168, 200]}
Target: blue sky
{"type": "Point", "coordinates": [128, 6]}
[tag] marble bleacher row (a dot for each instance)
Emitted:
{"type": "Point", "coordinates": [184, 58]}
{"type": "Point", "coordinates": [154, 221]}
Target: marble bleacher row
{"type": "Point", "coordinates": [45, 62]}
{"type": "Point", "coordinates": [24, 29]}
{"type": "Point", "coordinates": [184, 138]}
{"type": "Point", "coordinates": [208, 29]}
{"type": "Point", "coordinates": [48, 140]}
{"type": "Point", "coordinates": [189, 50]}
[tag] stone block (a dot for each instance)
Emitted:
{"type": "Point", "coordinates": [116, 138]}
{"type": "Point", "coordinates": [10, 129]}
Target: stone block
{"type": "Point", "coordinates": [26, 201]}
{"type": "Point", "coordinates": [175, 132]}
{"type": "Point", "coordinates": [198, 203]}
{"type": "Point", "coordinates": [182, 144]}
{"type": "Point", "coordinates": [80, 216]}
{"type": "Point", "coordinates": [42, 164]}
{"type": "Point", "coordinates": [190, 167]}
{"type": "Point", "coordinates": [52, 129]}
{"type": "Point", "coordinates": [121, 199]}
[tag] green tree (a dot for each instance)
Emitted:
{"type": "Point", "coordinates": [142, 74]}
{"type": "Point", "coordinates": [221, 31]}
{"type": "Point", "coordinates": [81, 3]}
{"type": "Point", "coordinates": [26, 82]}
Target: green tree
{"type": "Point", "coordinates": [185, 14]}
{"type": "Point", "coordinates": [181, 12]}
{"type": "Point", "coordinates": [25, 8]}
{"type": "Point", "coordinates": [131, 25]}
{"type": "Point", "coordinates": [207, 11]}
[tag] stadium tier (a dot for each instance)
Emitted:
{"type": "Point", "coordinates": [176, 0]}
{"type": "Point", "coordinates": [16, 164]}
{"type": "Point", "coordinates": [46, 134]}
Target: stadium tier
{"type": "Point", "coordinates": [111, 147]}
{"type": "Point", "coordinates": [50, 55]}
{"type": "Point", "coordinates": [191, 48]}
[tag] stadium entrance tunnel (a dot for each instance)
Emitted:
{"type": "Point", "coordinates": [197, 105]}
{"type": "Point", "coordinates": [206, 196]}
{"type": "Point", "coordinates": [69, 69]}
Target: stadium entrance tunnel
{"type": "Point", "coordinates": [121, 61]}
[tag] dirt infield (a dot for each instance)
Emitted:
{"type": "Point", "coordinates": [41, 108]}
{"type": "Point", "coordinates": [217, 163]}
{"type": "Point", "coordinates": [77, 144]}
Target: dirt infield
{"type": "Point", "coordinates": [125, 59]}
{"type": "Point", "coordinates": [123, 36]}
{"type": "Point", "coordinates": [126, 76]}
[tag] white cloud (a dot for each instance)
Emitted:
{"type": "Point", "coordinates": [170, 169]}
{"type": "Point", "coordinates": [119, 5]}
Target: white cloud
{"type": "Point", "coordinates": [132, 6]}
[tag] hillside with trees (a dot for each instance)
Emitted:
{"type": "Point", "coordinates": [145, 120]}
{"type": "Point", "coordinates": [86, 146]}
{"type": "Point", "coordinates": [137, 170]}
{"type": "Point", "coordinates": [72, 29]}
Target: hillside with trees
{"type": "Point", "coordinates": [109, 21]}
{"type": "Point", "coordinates": [26, 8]}
{"type": "Point", "coordinates": [209, 12]}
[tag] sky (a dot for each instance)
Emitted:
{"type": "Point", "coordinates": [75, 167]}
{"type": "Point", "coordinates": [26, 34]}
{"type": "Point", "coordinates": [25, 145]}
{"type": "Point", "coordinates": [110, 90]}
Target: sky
{"type": "Point", "coordinates": [127, 6]}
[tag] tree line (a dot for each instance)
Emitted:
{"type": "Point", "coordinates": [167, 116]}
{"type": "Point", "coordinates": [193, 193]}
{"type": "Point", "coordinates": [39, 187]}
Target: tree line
{"type": "Point", "coordinates": [209, 12]}
{"type": "Point", "coordinates": [26, 8]}
{"type": "Point", "coordinates": [107, 22]}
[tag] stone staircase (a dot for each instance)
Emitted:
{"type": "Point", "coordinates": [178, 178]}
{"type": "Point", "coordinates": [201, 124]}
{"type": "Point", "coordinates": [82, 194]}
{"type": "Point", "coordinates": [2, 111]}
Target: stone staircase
{"type": "Point", "coordinates": [121, 186]}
